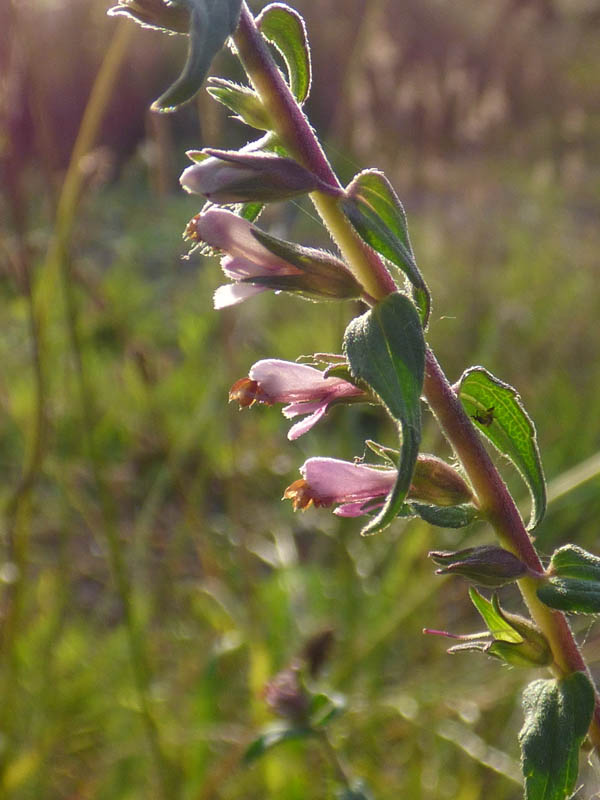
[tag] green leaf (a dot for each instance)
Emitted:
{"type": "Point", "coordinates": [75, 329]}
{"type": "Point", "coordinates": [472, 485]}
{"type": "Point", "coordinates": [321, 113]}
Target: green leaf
{"type": "Point", "coordinates": [571, 594]}
{"type": "Point", "coordinates": [375, 211]}
{"type": "Point", "coordinates": [242, 100]}
{"type": "Point", "coordinates": [574, 583]}
{"type": "Point", "coordinates": [493, 617]}
{"type": "Point", "coordinates": [386, 349]}
{"type": "Point", "coordinates": [571, 561]}
{"type": "Point", "coordinates": [557, 717]}
{"type": "Point", "coordinates": [285, 28]}
{"type": "Point", "coordinates": [271, 736]}
{"type": "Point", "coordinates": [211, 23]}
{"type": "Point", "coordinates": [497, 410]}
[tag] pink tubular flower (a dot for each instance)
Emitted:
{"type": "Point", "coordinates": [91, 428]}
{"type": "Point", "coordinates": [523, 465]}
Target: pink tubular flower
{"type": "Point", "coordinates": [253, 267]}
{"type": "Point", "coordinates": [307, 391]}
{"type": "Point", "coordinates": [326, 481]}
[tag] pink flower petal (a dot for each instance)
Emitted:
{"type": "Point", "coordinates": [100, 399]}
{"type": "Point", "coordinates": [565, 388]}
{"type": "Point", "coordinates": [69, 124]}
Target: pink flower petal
{"type": "Point", "coordinates": [335, 481]}
{"type": "Point", "coordinates": [232, 234]}
{"type": "Point", "coordinates": [356, 509]}
{"type": "Point", "coordinates": [233, 293]}
{"type": "Point", "coordinates": [304, 407]}
{"type": "Point", "coordinates": [287, 381]}
{"type": "Point", "coordinates": [307, 423]}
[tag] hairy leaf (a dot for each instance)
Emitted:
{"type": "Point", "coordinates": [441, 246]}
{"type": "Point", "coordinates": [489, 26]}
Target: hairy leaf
{"type": "Point", "coordinates": [386, 349]}
{"type": "Point", "coordinates": [285, 28]}
{"type": "Point", "coordinates": [557, 717]}
{"type": "Point", "coordinates": [571, 561]}
{"type": "Point", "coordinates": [497, 410]}
{"type": "Point", "coordinates": [571, 594]}
{"type": "Point", "coordinates": [375, 211]}
{"type": "Point", "coordinates": [211, 23]}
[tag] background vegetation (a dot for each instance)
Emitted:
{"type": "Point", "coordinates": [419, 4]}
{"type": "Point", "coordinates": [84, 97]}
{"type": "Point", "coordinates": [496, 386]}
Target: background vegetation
{"type": "Point", "coordinates": [151, 581]}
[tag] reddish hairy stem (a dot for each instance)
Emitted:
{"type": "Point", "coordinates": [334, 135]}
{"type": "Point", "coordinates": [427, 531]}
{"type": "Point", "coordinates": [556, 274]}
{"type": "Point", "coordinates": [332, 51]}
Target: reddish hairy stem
{"type": "Point", "coordinates": [295, 131]}
{"type": "Point", "coordinates": [494, 498]}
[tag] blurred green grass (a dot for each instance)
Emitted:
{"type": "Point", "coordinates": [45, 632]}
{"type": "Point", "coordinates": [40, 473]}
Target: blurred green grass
{"type": "Point", "coordinates": [222, 582]}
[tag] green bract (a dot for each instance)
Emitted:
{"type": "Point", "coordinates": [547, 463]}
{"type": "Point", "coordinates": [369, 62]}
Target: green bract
{"type": "Point", "coordinates": [557, 717]}
{"type": "Point", "coordinates": [374, 209]}
{"type": "Point", "coordinates": [386, 349]}
{"type": "Point", "coordinates": [242, 100]}
{"type": "Point", "coordinates": [574, 582]}
{"type": "Point", "coordinates": [497, 410]}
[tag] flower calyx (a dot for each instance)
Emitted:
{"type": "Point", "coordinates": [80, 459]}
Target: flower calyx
{"type": "Point", "coordinates": [436, 482]}
{"type": "Point", "coordinates": [510, 637]}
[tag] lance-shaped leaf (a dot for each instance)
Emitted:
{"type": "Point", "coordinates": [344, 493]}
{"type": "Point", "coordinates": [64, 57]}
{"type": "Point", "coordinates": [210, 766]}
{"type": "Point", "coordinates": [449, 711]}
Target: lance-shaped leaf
{"type": "Point", "coordinates": [497, 410]}
{"type": "Point", "coordinates": [386, 349]}
{"type": "Point", "coordinates": [211, 23]}
{"type": "Point", "coordinates": [570, 594]}
{"type": "Point", "coordinates": [574, 582]}
{"type": "Point", "coordinates": [375, 211]}
{"type": "Point", "coordinates": [285, 28]}
{"type": "Point", "coordinates": [557, 717]}
{"type": "Point", "coordinates": [242, 100]}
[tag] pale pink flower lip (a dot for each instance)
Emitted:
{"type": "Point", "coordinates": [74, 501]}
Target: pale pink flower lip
{"type": "Point", "coordinates": [308, 391]}
{"type": "Point", "coordinates": [225, 231]}
{"type": "Point", "coordinates": [358, 488]}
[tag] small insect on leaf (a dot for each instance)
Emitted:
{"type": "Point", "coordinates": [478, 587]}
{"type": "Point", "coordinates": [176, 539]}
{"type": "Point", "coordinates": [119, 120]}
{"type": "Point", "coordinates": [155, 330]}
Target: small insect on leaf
{"type": "Point", "coordinates": [485, 417]}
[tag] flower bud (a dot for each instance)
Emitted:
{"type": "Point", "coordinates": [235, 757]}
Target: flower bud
{"type": "Point", "coordinates": [287, 697]}
{"type": "Point", "coordinates": [438, 483]}
{"type": "Point", "coordinates": [487, 565]}
{"type": "Point", "coordinates": [236, 177]}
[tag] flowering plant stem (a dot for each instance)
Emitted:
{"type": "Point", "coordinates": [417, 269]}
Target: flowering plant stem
{"type": "Point", "coordinates": [493, 497]}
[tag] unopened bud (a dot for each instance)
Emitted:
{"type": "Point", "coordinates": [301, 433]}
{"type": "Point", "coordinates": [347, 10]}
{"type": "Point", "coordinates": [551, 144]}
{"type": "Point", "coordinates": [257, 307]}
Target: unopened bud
{"type": "Point", "coordinates": [316, 651]}
{"type": "Point", "coordinates": [285, 694]}
{"type": "Point", "coordinates": [487, 565]}
{"type": "Point", "coordinates": [236, 177]}
{"type": "Point", "coordinates": [438, 483]}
